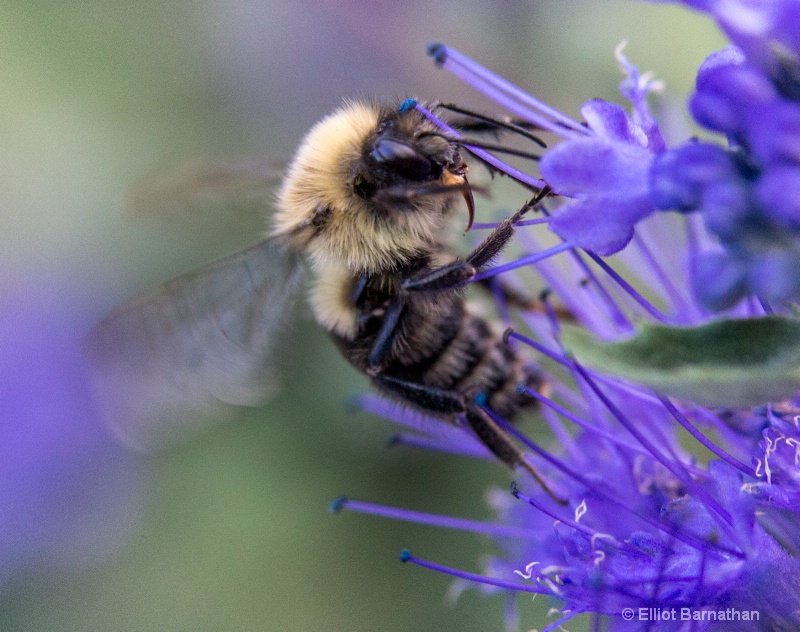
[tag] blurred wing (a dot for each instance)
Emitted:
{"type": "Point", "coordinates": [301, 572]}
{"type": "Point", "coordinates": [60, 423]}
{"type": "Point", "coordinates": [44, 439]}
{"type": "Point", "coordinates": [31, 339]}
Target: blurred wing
{"type": "Point", "coordinates": [203, 190]}
{"type": "Point", "coordinates": [178, 357]}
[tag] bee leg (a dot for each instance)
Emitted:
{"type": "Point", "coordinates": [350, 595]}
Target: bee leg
{"type": "Point", "coordinates": [439, 400]}
{"type": "Point", "coordinates": [358, 290]}
{"type": "Point", "coordinates": [492, 436]}
{"type": "Point", "coordinates": [453, 274]}
{"type": "Point", "coordinates": [443, 278]}
{"type": "Point", "coordinates": [490, 247]}
{"type": "Point", "coordinates": [430, 398]}
{"type": "Point", "coordinates": [385, 337]}
{"type": "Point", "coordinates": [501, 445]}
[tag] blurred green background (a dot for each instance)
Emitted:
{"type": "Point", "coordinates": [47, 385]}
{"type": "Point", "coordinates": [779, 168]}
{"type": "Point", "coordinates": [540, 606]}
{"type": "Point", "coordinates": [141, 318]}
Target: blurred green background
{"type": "Point", "coordinates": [231, 530]}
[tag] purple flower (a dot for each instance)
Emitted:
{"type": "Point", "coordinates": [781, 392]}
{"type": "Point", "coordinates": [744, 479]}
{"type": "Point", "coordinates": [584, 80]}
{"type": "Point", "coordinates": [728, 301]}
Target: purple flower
{"type": "Point", "coordinates": [603, 164]}
{"type": "Point", "coordinates": [648, 531]}
{"type": "Point", "coordinates": [607, 177]}
{"type": "Point", "coordinates": [767, 31]}
{"type": "Point", "coordinates": [746, 191]}
{"type": "Point", "coordinates": [68, 492]}
{"type": "Point", "coordinates": [606, 173]}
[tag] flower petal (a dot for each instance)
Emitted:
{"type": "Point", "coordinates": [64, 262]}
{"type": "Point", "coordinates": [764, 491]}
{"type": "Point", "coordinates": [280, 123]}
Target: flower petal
{"type": "Point", "coordinates": [773, 132]}
{"type": "Point", "coordinates": [596, 166]}
{"type": "Point", "coordinates": [720, 281]}
{"type": "Point", "coordinates": [775, 276]}
{"type": "Point", "coordinates": [611, 122]}
{"type": "Point", "coordinates": [601, 224]}
{"type": "Point", "coordinates": [725, 93]}
{"type": "Point", "coordinates": [679, 176]}
{"type": "Point", "coordinates": [778, 192]}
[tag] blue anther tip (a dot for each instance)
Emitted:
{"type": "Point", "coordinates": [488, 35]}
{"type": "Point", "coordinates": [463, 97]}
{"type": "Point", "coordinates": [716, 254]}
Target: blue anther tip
{"type": "Point", "coordinates": [408, 104]}
{"type": "Point", "coordinates": [481, 399]}
{"type": "Point", "coordinates": [514, 488]}
{"type": "Point", "coordinates": [336, 505]}
{"type": "Point", "coordinates": [405, 555]}
{"type": "Point", "coordinates": [438, 52]}
{"type": "Point", "coordinates": [521, 389]}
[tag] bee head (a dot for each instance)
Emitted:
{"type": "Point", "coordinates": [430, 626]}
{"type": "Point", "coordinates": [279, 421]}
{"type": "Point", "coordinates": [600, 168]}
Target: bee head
{"type": "Point", "coordinates": [404, 154]}
{"type": "Point", "coordinates": [370, 188]}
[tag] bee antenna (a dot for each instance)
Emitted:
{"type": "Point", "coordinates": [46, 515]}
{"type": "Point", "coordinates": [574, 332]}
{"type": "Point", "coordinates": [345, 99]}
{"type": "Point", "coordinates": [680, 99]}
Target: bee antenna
{"type": "Point", "coordinates": [472, 142]}
{"type": "Point", "coordinates": [401, 192]}
{"type": "Point", "coordinates": [516, 126]}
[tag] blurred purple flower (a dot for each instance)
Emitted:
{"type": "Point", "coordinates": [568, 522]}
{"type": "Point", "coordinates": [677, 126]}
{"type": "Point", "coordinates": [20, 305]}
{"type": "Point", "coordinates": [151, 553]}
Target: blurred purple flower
{"type": "Point", "coordinates": [648, 528]}
{"type": "Point", "coordinates": [747, 191]}
{"type": "Point", "coordinates": [767, 31]}
{"type": "Point", "coordinates": [68, 493]}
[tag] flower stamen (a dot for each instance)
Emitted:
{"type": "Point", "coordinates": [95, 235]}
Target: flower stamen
{"type": "Point", "coordinates": [507, 94]}
{"type": "Point", "coordinates": [406, 556]}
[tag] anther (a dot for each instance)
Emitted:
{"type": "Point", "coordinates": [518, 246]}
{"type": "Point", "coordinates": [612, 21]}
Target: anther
{"type": "Point", "coordinates": [408, 104]}
{"type": "Point", "coordinates": [438, 52]}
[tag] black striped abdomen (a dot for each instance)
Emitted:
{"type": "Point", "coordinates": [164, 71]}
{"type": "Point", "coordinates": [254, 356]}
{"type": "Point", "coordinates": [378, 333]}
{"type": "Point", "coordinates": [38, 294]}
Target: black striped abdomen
{"type": "Point", "coordinates": [458, 351]}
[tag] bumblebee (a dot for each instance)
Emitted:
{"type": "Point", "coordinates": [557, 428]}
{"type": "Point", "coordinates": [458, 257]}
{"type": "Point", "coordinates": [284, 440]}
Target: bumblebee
{"type": "Point", "coordinates": [367, 200]}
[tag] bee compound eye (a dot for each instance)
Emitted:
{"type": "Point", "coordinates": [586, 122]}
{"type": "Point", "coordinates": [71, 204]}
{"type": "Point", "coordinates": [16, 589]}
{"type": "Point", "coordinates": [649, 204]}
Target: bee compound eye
{"type": "Point", "coordinates": [401, 158]}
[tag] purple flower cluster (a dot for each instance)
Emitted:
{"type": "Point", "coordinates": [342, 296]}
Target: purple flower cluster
{"type": "Point", "coordinates": [653, 538]}
{"type": "Point", "coordinates": [748, 190]}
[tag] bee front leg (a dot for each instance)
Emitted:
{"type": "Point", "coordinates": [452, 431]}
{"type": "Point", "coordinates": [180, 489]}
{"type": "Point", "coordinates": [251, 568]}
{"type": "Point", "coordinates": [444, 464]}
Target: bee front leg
{"type": "Point", "coordinates": [454, 274]}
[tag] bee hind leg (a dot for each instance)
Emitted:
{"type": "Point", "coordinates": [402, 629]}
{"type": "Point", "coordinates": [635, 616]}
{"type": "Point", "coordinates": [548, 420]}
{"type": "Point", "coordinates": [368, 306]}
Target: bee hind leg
{"type": "Point", "coordinates": [443, 401]}
{"type": "Point", "coordinates": [501, 445]}
{"type": "Point", "coordinates": [430, 398]}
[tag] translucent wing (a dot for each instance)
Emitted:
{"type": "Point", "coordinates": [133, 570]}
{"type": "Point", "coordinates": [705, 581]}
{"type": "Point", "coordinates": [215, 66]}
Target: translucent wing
{"type": "Point", "coordinates": [202, 191]}
{"type": "Point", "coordinates": [182, 354]}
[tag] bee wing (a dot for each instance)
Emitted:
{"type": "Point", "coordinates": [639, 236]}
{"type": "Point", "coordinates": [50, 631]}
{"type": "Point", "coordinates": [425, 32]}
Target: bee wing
{"type": "Point", "coordinates": [204, 190]}
{"type": "Point", "coordinates": [184, 353]}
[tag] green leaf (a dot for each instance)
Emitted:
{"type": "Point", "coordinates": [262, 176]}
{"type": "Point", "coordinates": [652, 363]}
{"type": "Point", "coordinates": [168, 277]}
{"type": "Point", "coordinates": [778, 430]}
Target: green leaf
{"type": "Point", "coordinates": [722, 363]}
